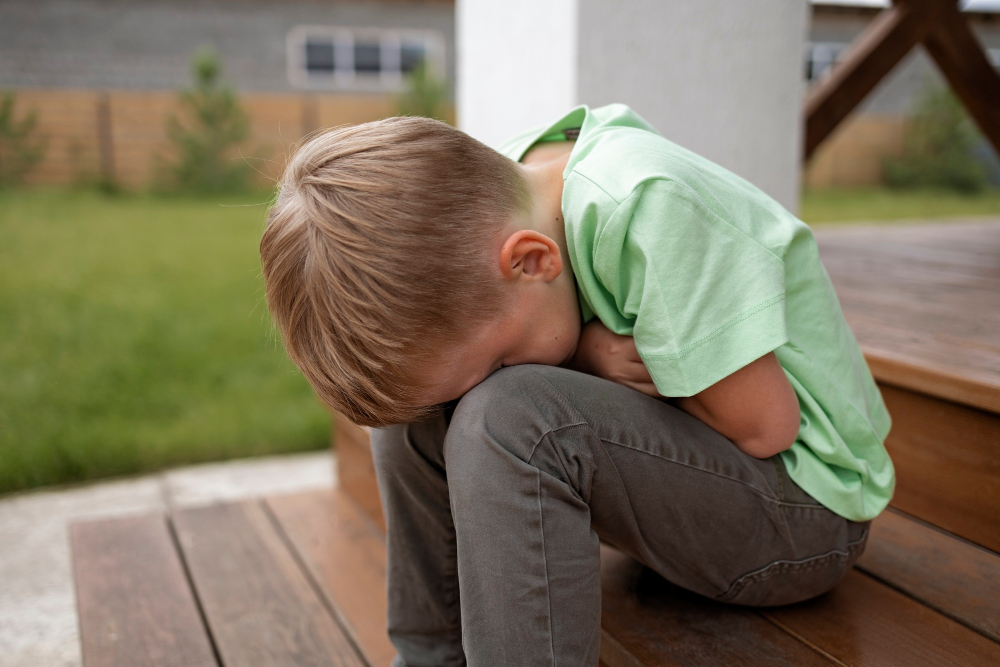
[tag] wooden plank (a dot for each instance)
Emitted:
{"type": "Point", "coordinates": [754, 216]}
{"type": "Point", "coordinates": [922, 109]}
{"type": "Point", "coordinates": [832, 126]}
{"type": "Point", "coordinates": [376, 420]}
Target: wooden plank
{"type": "Point", "coordinates": [932, 378]}
{"type": "Point", "coordinates": [355, 468]}
{"type": "Point", "coordinates": [133, 599]}
{"type": "Point", "coordinates": [259, 604]}
{"type": "Point", "coordinates": [889, 37]}
{"type": "Point", "coordinates": [864, 622]}
{"type": "Point", "coordinates": [105, 142]}
{"type": "Point", "coordinates": [924, 304]}
{"type": "Point", "coordinates": [648, 621]}
{"type": "Point", "coordinates": [947, 460]}
{"type": "Point", "coordinates": [955, 577]}
{"type": "Point", "coordinates": [345, 554]}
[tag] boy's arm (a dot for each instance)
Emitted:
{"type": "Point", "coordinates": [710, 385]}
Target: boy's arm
{"type": "Point", "coordinates": [755, 407]}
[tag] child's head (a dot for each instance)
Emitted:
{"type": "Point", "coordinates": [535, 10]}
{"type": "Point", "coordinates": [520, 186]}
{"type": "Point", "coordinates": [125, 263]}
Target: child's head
{"type": "Point", "coordinates": [382, 264]}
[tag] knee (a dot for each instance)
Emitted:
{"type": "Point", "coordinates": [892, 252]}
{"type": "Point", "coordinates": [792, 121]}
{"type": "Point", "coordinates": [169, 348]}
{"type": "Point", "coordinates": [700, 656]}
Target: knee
{"type": "Point", "coordinates": [503, 408]}
{"type": "Point", "coordinates": [509, 416]}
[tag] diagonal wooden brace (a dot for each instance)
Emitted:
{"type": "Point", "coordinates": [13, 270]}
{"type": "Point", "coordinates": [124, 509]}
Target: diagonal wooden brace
{"type": "Point", "coordinates": [890, 36]}
{"type": "Point", "coordinates": [962, 61]}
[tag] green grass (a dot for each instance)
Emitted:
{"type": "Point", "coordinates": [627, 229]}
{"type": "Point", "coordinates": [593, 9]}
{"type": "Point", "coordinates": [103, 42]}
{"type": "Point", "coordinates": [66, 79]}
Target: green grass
{"type": "Point", "coordinates": [823, 206]}
{"type": "Point", "coordinates": [133, 336]}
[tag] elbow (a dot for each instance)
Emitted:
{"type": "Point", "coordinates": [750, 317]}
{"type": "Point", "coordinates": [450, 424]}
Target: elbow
{"type": "Point", "coordinates": [779, 436]}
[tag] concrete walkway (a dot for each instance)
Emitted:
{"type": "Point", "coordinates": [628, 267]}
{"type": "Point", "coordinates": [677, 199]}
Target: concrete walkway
{"type": "Point", "coordinates": [38, 624]}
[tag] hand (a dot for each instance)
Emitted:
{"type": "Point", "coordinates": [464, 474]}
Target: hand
{"type": "Point", "coordinates": [607, 355]}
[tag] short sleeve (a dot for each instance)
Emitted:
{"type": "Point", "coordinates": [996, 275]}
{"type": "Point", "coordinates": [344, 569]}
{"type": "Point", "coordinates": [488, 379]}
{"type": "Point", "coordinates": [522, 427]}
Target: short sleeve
{"type": "Point", "coordinates": [701, 297]}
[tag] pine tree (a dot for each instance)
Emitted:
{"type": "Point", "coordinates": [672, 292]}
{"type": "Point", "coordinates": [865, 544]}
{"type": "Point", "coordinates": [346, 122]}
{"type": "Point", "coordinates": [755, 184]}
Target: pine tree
{"type": "Point", "coordinates": [212, 125]}
{"type": "Point", "coordinates": [20, 149]}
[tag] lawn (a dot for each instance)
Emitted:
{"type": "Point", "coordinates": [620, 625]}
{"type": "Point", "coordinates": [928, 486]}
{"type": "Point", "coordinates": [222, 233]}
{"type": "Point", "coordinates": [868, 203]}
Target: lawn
{"type": "Point", "coordinates": [826, 206]}
{"type": "Point", "coordinates": [134, 336]}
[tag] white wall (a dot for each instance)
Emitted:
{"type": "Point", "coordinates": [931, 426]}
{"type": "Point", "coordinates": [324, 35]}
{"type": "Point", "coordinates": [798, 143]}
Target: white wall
{"type": "Point", "coordinates": [516, 64]}
{"type": "Point", "coordinates": [721, 77]}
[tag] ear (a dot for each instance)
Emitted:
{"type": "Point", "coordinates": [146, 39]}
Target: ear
{"type": "Point", "coordinates": [527, 254]}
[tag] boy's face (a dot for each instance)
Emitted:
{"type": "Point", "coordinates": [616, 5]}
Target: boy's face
{"type": "Point", "coordinates": [540, 323]}
{"type": "Point", "coordinates": [519, 336]}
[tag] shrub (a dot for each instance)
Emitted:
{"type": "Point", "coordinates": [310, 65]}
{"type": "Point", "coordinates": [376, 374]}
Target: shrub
{"type": "Point", "coordinates": [212, 125]}
{"type": "Point", "coordinates": [939, 151]}
{"type": "Point", "coordinates": [425, 95]}
{"type": "Point", "coordinates": [20, 150]}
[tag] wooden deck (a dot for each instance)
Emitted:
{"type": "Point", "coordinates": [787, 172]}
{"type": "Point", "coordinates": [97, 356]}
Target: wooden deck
{"type": "Point", "coordinates": [924, 303]}
{"type": "Point", "coordinates": [299, 580]}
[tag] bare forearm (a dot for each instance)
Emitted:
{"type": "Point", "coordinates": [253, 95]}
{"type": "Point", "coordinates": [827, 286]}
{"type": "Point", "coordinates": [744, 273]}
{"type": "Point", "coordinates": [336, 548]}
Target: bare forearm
{"type": "Point", "coordinates": [759, 427]}
{"type": "Point", "coordinates": [754, 407]}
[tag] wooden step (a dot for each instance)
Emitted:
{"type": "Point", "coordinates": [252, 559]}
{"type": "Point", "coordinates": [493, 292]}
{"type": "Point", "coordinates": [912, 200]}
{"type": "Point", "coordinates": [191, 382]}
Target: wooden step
{"type": "Point", "coordinates": [260, 606]}
{"type": "Point", "coordinates": [132, 596]}
{"type": "Point", "coordinates": [300, 580]}
{"type": "Point", "coordinates": [920, 596]}
{"type": "Point", "coordinates": [229, 591]}
{"type": "Point", "coordinates": [923, 302]}
{"type": "Point", "coordinates": [345, 553]}
{"type": "Point", "coordinates": [955, 577]}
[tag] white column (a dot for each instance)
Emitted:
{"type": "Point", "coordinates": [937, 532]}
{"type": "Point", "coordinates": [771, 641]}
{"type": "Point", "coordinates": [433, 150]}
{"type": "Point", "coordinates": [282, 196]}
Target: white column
{"type": "Point", "coordinates": [723, 78]}
{"type": "Point", "coordinates": [516, 64]}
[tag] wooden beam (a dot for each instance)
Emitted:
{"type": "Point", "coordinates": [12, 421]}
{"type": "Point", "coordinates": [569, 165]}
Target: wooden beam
{"type": "Point", "coordinates": [889, 37]}
{"type": "Point", "coordinates": [962, 61]}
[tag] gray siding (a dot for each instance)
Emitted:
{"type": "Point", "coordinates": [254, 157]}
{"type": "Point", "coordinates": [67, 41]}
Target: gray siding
{"type": "Point", "coordinates": [147, 44]}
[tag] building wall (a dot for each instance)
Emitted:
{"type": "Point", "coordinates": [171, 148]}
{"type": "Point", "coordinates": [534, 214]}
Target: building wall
{"type": "Point", "coordinates": [103, 75]}
{"type": "Point", "coordinates": [148, 44]}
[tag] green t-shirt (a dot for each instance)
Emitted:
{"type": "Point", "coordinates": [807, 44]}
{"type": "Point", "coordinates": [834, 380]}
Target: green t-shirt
{"type": "Point", "coordinates": [708, 273]}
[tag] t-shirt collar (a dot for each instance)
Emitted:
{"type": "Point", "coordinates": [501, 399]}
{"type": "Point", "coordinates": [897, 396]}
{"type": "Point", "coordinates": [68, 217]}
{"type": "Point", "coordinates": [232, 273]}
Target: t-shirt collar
{"type": "Point", "coordinates": [574, 118]}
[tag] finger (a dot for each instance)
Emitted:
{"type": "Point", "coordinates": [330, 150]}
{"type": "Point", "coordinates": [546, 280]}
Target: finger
{"type": "Point", "coordinates": [638, 372]}
{"type": "Point", "coordinates": [647, 388]}
{"type": "Point", "coordinates": [631, 353]}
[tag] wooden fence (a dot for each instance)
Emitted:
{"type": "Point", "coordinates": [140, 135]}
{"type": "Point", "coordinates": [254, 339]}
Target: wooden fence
{"type": "Point", "coordinates": [854, 153]}
{"type": "Point", "coordinates": [120, 133]}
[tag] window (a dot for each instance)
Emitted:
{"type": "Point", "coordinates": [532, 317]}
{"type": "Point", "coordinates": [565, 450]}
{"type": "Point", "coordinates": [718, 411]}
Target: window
{"type": "Point", "coordinates": [322, 57]}
{"type": "Point", "coordinates": [820, 56]}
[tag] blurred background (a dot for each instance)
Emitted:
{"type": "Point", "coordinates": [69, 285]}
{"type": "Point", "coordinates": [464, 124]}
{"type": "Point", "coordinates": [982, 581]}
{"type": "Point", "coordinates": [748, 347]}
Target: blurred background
{"type": "Point", "coordinates": [140, 143]}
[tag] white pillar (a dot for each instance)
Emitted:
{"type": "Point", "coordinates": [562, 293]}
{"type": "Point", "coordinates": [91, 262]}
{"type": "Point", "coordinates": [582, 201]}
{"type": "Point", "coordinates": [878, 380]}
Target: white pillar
{"type": "Point", "coordinates": [721, 77]}
{"type": "Point", "coordinates": [516, 64]}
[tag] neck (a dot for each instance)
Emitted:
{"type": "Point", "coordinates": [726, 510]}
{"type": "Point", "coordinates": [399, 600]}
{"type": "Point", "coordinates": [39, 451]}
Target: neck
{"type": "Point", "coordinates": [544, 179]}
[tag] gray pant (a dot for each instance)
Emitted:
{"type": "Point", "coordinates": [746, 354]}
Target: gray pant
{"type": "Point", "coordinates": [496, 506]}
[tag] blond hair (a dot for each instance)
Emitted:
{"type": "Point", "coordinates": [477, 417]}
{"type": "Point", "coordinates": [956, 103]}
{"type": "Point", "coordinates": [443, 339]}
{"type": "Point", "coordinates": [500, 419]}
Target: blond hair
{"type": "Point", "coordinates": [375, 257]}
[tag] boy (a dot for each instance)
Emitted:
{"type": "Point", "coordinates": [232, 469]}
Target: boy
{"type": "Point", "coordinates": [724, 429]}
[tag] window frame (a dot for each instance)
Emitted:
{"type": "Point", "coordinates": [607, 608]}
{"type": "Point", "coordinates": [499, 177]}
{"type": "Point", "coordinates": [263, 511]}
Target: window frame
{"type": "Point", "coordinates": [389, 78]}
{"type": "Point", "coordinates": [836, 50]}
